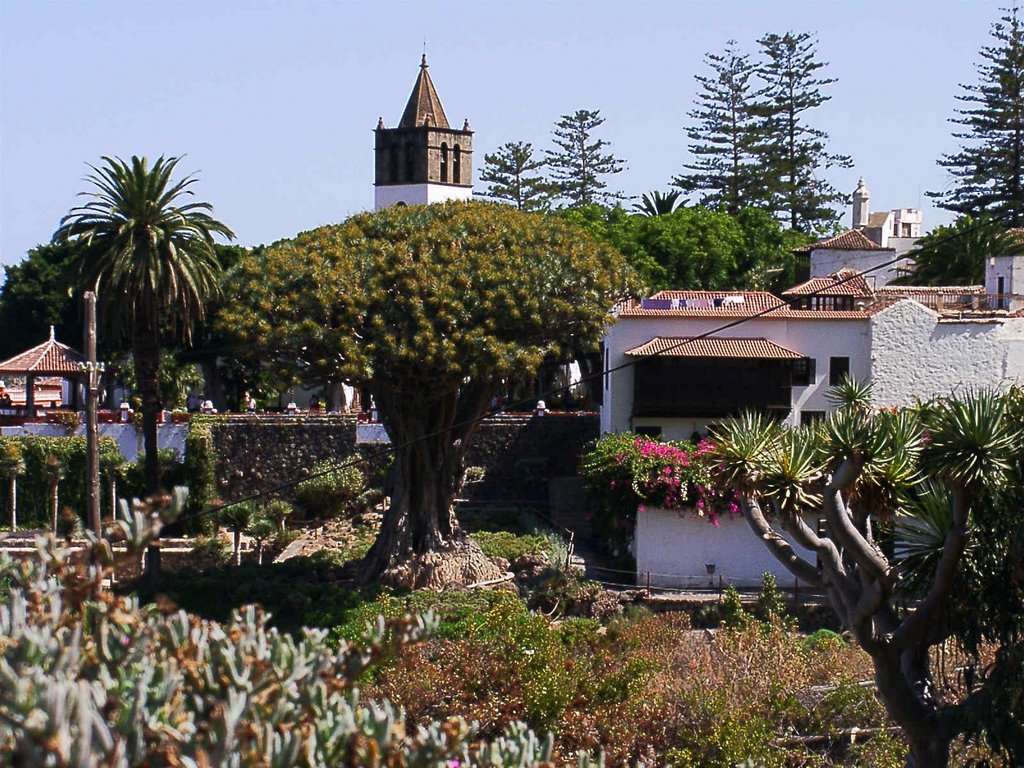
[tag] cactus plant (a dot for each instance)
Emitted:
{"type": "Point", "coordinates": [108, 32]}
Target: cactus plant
{"type": "Point", "coordinates": [88, 678]}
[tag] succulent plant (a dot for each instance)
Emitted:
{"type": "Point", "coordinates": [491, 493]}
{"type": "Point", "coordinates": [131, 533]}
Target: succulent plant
{"type": "Point", "coordinates": [88, 678]}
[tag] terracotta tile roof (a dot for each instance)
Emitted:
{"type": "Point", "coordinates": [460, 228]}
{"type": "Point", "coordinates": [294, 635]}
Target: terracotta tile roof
{"type": "Point", "coordinates": [850, 240]}
{"type": "Point", "coordinates": [845, 282]}
{"type": "Point", "coordinates": [50, 358]}
{"type": "Point", "coordinates": [714, 304]}
{"type": "Point", "coordinates": [701, 304]}
{"type": "Point", "coordinates": [929, 290]}
{"type": "Point", "coordinates": [424, 106]}
{"type": "Point", "coordinates": [684, 346]}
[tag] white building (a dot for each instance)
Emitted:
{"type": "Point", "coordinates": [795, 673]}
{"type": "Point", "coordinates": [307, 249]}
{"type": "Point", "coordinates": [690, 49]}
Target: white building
{"type": "Point", "coordinates": [780, 355]}
{"type": "Point", "coordinates": [898, 229]}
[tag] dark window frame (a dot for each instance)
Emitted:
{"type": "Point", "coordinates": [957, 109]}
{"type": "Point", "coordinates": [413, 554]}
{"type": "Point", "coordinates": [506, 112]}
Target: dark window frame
{"type": "Point", "coordinates": [837, 368]}
{"type": "Point", "coordinates": [805, 371]}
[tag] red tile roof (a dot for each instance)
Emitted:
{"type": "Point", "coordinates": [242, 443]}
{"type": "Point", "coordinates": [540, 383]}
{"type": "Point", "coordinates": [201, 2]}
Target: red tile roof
{"type": "Point", "coordinates": [701, 304]}
{"type": "Point", "coordinates": [850, 240]}
{"type": "Point", "coordinates": [684, 346]}
{"type": "Point", "coordinates": [51, 358]}
{"type": "Point", "coordinates": [845, 282]}
{"type": "Point", "coordinates": [930, 290]}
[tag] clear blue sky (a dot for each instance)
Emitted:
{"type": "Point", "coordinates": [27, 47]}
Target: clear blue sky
{"type": "Point", "coordinates": [274, 102]}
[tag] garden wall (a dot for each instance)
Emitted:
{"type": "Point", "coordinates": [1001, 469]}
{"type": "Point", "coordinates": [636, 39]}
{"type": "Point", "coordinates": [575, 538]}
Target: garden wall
{"type": "Point", "coordinates": [521, 453]}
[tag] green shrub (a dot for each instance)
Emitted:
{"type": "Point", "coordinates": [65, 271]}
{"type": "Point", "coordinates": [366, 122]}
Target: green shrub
{"type": "Point", "coordinates": [771, 605]}
{"type": "Point", "coordinates": [210, 552]}
{"type": "Point", "coordinates": [331, 489]}
{"type": "Point", "coordinates": [824, 640]}
{"type": "Point", "coordinates": [734, 616]}
{"type": "Point", "coordinates": [33, 486]}
{"type": "Point", "coordinates": [131, 476]}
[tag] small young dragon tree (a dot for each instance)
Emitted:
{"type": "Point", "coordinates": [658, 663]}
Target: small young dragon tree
{"type": "Point", "coordinates": [430, 307]}
{"type": "Point", "coordinates": [903, 493]}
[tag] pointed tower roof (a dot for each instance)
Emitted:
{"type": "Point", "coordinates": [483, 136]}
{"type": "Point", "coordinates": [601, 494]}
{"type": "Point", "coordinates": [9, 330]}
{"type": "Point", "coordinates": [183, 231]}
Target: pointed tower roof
{"type": "Point", "coordinates": [424, 107]}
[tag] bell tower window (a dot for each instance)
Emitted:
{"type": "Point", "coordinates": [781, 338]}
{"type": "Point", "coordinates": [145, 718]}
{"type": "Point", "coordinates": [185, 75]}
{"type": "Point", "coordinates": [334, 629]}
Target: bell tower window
{"type": "Point", "coordinates": [457, 165]}
{"type": "Point", "coordinates": [393, 164]}
{"type": "Point", "coordinates": [410, 162]}
{"type": "Point", "coordinates": [444, 162]}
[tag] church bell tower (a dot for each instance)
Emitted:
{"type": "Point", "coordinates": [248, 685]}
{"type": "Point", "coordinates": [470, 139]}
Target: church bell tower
{"type": "Point", "coordinates": [423, 160]}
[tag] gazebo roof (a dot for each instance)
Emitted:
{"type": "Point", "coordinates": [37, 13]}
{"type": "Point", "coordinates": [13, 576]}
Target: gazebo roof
{"type": "Point", "coordinates": [51, 358]}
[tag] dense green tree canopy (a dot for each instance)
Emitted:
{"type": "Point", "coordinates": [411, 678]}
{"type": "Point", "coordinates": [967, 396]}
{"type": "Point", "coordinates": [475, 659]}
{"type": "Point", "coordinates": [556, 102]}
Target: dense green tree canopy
{"type": "Point", "coordinates": [36, 294]}
{"type": "Point", "coordinates": [430, 307]}
{"type": "Point", "coordinates": [697, 248]}
{"type": "Point", "coordinates": [955, 254]}
{"type": "Point", "coordinates": [988, 170]}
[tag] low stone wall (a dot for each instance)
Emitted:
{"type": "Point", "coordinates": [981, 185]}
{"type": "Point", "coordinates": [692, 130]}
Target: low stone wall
{"type": "Point", "coordinates": [521, 453]}
{"type": "Point", "coordinates": [256, 454]}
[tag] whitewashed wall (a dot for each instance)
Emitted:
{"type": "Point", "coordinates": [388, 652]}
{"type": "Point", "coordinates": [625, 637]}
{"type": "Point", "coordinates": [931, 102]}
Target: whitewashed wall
{"type": "Point", "coordinates": [817, 338]}
{"type": "Point", "coordinates": [827, 261]}
{"type": "Point", "coordinates": [675, 549]}
{"type": "Point", "coordinates": [917, 354]}
{"type": "Point", "coordinates": [418, 194]}
{"type": "Point", "coordinates": [128, 438]}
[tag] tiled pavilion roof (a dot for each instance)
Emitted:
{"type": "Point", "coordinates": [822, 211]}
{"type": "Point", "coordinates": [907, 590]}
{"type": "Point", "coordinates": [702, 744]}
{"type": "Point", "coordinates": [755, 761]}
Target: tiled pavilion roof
{"type": "Point", "coordinates": [51, 358]}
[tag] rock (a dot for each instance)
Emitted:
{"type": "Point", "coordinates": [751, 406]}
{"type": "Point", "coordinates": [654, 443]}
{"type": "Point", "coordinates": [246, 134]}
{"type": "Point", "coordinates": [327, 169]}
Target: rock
{"type": "Point", "coordinates": [529, 566]}
{"type": "Point", "coordinates": [503, 564]}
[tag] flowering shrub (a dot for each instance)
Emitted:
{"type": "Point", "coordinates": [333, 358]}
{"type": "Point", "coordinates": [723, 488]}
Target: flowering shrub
{"type": "Point", "coordinates": [624, 472]}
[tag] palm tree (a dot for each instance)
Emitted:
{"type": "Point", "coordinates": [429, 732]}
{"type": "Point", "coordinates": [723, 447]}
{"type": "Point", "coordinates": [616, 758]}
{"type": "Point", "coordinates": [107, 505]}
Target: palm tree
{"type": "Point", "coordinates": [12, 465]}
{"type": "Point", "coordinates": [153, 266]}
{"type": "Point", "coordinates": [238, 518]}
{"type": "Point", "coordinates": [54, 471]}
{"type": "Point", "coordinates": [261, 529]}
{"type": "Point", "coordinates": [658, 203]}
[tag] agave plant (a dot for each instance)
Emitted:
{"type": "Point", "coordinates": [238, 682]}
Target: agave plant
{"type": "Point", "coordinates": [850, 393]}
{"type": "Point", "coordinates": [973, 439]}
{"type": "Point", "coordinates": [920, 535]}
{"type": "Point", "coordinates": [740, 445]}
{"type": "Point", "coordinates": [791, 471]}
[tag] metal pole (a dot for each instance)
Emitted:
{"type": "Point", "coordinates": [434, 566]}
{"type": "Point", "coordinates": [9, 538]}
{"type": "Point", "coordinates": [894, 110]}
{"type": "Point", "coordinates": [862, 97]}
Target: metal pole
{"type": "Point", "coordinates": [92, 440]}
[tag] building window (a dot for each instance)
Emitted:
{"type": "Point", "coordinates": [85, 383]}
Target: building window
{"type": "Point", "coordinates": [444, 162]}
{"type": "Point", "coordinates": [837, 368]}
{"type": "Point", "coordinates": [654, 432]}
{"type": "Point", "coordinates": [810, 418]}
{"type": "Point", "coordinates": [457, 165]}
{"type": "Point", "coordinates": [803, 372]}
{"type": "Point", "coordinates": [393, 164]}
{"type": "Point", "coordinates": [410, 162]}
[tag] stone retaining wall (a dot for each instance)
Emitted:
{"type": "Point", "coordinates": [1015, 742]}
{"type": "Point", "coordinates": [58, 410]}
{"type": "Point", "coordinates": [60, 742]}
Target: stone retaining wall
{"type": "Point", "coordinates": [520, 453]}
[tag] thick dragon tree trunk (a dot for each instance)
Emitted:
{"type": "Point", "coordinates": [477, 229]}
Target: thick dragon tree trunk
{"type": "Point", "coordinates": [420, 544]}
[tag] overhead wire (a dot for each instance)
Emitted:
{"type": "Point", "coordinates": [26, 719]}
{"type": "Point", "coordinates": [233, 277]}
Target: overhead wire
{"type": "Point", "coordinates": [598, 375]}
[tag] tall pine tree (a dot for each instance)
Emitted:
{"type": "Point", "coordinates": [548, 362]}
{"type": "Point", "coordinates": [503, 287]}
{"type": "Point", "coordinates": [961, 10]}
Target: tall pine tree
{"type": "Point", "coordinates": [791, 151]}
{"type": "Point", "coordinates": [722, 137]}
{"type": "Point", "coordinates": [579, 165]}
{"type": "Point", "coordinates": [511, 174]}
{"type": "Point", "coordinates": [988, 171]}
